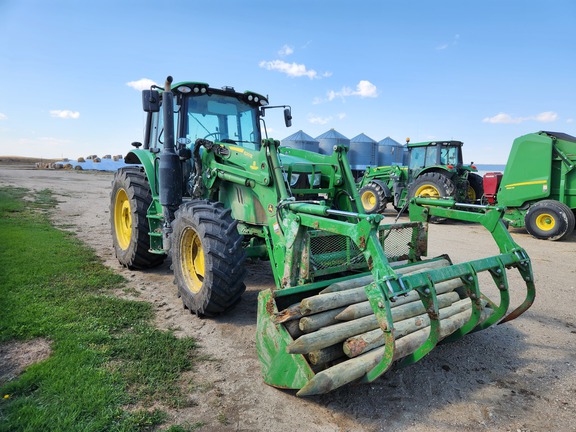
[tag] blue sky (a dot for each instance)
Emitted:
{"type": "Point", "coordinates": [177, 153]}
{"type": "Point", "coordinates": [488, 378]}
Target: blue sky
{"type": "Point", "coordinates": [483, 72]}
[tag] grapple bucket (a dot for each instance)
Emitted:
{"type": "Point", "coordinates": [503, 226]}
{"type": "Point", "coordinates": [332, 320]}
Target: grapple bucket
{"type": "Point", "coordinates": [320, 335]}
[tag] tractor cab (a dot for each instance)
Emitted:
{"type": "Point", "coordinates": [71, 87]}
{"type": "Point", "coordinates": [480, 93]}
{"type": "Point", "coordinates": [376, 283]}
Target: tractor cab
{"type": "Point", "coordinates": [425, 156]}
{"type": "Point", "coordinates": [221, 115]}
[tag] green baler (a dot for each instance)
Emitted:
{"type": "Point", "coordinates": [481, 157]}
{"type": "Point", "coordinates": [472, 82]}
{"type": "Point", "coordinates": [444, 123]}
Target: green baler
{"type": "Point", "coordinates": [538, 186]}
{"type": "Point", "coordinates": [352, 296]}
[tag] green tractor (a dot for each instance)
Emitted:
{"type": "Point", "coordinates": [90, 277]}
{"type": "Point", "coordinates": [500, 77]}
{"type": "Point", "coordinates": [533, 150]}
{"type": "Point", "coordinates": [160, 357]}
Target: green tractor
{"type": "Point", "coordinates": [352, 296]}
{"type": "Point", "coordinates": [435, 169]}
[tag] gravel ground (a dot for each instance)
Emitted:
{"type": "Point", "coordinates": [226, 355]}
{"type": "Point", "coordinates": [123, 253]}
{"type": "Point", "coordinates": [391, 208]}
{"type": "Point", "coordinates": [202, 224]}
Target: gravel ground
{"type": "Point", "coordinates": [519, 376]}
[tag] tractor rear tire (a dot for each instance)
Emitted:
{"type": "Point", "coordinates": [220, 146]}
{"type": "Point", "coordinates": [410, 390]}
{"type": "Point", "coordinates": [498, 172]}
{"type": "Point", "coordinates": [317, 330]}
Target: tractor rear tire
{"type": "Point", "coordinates": [475, 187]}
{"type": "Point", "coordinates": [549, 220]}
{"type": "Point", "coordinates": [207, 257]}
{"type": "Point", "coordinates": [373, 198]}
{"type": "Point", "coordinates": [129, 202]}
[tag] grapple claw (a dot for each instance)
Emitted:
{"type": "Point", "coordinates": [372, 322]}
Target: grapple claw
{"type": "Point", "coordinates": [321, 335]}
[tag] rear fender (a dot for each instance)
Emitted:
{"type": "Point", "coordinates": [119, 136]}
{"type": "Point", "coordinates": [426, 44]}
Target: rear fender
{"type": "Point", "coordinates": [385, 188]}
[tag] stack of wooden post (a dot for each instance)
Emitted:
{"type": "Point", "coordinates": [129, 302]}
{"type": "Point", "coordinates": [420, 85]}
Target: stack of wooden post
{"type": "Point", "coordinates": [340, 336]}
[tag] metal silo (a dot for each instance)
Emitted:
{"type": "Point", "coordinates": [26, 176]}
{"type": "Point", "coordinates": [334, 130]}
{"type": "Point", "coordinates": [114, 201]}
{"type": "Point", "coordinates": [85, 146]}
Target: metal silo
{"type": "Point", "coordinates": [330, 139]}
{"type": "Point", "coordinates": [390, 152]}
{"type": "Point", "coordinates": [300, 140]}
{"type": "Point", "coordinates": [363, 152]}
{"type": "Point", "coordinates": [405, 155]}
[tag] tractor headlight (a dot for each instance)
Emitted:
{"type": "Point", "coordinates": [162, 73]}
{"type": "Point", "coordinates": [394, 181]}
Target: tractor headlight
{"type": "Point", "coordinates": [293, 179]}
{"type": "Point", "coordinates": [191, 88]}
{"type": "Point", "coordinates": [314, 179]}
{"type": "Point", "coordinates": [256, 98]}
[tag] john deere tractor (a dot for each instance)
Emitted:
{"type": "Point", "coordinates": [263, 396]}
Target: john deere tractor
{"type": "Point", "coordinates": [435, 169]}
{"type": "Point", "coordinates": [352, 295]}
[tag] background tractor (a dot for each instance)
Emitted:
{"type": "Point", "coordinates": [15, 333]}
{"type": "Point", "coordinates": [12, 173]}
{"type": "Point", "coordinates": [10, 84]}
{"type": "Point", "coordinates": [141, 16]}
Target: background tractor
{"type": "Point", "coordinates": [208, 190]}
{"type": "Point", "coordinates": [435, 169]}
{"type": "Point", "coordinates": [538, 186]}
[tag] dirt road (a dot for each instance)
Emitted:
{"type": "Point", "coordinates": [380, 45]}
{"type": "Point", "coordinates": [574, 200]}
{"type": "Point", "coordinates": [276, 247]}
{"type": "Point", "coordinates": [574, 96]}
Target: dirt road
{"type": "Point", "coordinates": [519, 376]}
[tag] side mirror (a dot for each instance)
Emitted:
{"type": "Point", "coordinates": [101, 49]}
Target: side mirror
{"type": "Point", "coordinates": [287, 117]}
{"type": "Point", "coordinates": [151, 100]}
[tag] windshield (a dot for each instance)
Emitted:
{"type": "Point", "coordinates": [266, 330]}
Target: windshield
{"type": "Point", "coordinates": [223, 118]}
{"type": "Point", "coordinates": [449, 156]}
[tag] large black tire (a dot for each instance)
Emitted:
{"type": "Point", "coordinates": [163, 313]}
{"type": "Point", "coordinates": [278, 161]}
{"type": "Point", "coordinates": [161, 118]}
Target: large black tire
{"type": "Point", "coordinates": [432, 185]}
{"type": "Point", "coordinates": [207, 257]}
{"type": "Point", "coordinates": [373, 198]}
{"type": "Point", "coordinates": [129, 202]}
{"type": "Point", "coordinates": [549, 220]}
{"type": "Point", "coordinates": [475, 187]}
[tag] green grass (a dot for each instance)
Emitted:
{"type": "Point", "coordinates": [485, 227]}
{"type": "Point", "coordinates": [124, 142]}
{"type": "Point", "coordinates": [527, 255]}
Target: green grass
{"type": "Point", "coordinates": [106, 354]}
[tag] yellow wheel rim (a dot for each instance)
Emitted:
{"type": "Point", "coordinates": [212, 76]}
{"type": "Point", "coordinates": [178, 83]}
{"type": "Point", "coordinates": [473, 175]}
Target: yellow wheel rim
{"type": "Point", "coordinates": [428, 191]}
{"type": "Point", "coordinates": [471, 193]}
{"type": "Point", "coordinates": [122, 219]}
{"type": "Point", "coordinates": [368, 199]}
{"type": "Point", "coordinates": [545, 221]}
{"type": "Point", "coordinates": [192, 260]}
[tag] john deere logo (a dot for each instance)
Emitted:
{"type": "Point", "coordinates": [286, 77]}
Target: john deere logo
{"type": "Point", "coordinates": [270, 208]}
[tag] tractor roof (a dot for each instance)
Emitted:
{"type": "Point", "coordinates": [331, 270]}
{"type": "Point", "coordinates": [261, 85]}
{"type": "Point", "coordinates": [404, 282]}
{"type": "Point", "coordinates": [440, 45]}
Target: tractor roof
{"type": "Point", "coordinates": [436, 143]}
{"type": "Point", "coordinates": [200, 88]}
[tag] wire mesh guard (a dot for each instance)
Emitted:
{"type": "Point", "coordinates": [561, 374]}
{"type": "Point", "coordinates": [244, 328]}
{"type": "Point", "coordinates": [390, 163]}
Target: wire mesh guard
{"type": "Point", "coordinates": [331, 253]}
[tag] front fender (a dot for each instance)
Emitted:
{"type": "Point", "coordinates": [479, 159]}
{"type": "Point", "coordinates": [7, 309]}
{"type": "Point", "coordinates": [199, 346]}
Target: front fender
{"type": "Point", "coordinates": [147, 160]}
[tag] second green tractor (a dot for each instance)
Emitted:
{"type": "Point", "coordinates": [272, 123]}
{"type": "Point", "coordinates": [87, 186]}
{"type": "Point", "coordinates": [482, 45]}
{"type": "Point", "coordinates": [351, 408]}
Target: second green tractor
{"type": "Point", "coordinates": [434, 169]}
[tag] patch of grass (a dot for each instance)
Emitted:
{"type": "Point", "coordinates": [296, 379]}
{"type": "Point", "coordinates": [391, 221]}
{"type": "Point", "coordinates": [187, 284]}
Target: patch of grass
{"type": "Point", "coordinates": [186, 427]}
{"type": "Point", "coordinates": [222, 419]}
{"type": "Point", "coordinates": [106, 354]}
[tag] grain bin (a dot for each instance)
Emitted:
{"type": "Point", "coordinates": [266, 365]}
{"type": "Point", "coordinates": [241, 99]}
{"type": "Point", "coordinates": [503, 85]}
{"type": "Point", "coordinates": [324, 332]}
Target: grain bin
{"type": "Point", "coordinates": [330, 139]}
{"type": "Point", "coordinates": [390, 152]}
{"type": "Point", "coordinates": [302, 141]}
{"type": "Point", "coordinates": [363, 152]}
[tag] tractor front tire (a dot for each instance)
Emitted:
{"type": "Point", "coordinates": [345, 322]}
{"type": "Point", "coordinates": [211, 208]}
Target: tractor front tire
{"type": "Point", "coordinates": [207, 257]}
{"type": "Point", "coordinates": [549, 220]}
{"type": "Point", "coordinates": [129, 202]}
{"type": "Point", "coordinates": [373, 198]}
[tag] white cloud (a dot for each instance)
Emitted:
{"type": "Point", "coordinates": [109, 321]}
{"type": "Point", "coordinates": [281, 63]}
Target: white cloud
{"type": "Point", "coordinates": [3, 116]}
{"type": "Point", "coordinates": [546, 117]}
{"type": "Point", "coordinates": [286, 51]}
{"type": "Point", "coordinates": [141, 84]}
{"type": "Point", "coordinates": [570, 120]}
{"type": "Point", "coordinates": [318, 120]}
{"type": "Point", "coordinates": [503, 118]}
{"type": "Point", "coordinates": [65, 114]}
{"type": "Point", "coordinates": [290, 69]}
{"type": "Point", "coordinates": [364, 89]}
{"type": "Point", "coordinates": [448, 45]}
{"type": "Point", "coordinates": [341, 116]}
